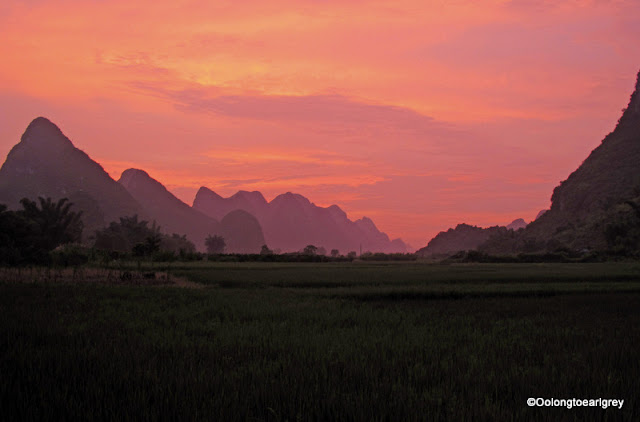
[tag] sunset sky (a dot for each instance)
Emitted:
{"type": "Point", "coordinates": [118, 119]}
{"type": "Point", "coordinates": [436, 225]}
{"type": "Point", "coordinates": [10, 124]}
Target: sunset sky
{"type": "Point", "coordinates": [418, 114]}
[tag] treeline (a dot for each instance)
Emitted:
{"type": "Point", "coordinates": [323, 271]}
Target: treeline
{"type": "Point", "coordinates": [131, 235]}
{"type": "Point", "coordinates": [283, 257]}
{"type": "Point", "coordinates": [49, 233]}
{"type": "Point", "coordinates": [559, 256]}
{"type": "Point", "coordinates": [610, 233]}
{"type": "Point", "coordinates": [379, 256]}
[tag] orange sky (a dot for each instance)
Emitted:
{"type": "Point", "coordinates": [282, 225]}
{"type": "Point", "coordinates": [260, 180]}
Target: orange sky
{"type": "Point", "coordinates": [418, 114]}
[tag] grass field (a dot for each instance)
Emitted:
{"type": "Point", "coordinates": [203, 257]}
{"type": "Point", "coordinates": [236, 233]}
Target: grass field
{"type": "Point", "coordinates": [349, 341]}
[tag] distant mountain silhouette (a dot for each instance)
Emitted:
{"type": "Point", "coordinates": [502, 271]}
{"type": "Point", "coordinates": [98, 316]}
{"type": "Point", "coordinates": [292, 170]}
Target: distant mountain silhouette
{"type": "Point", "coordinates": [466, 237]}
{"type": "Point", "coordinates": [463, 238]}
{"type": "Point", "coordinates": [170, 213]}
{"type": "Point", "coordinates": [46, 163]}
{"type": "Point", "coordinates": [241, 231]}
{"type": "Point", "coordinates": [517, 224]}
{"type": "Point", "coordinates": [217, 206]}
{"type": "Point", "coordinates": [290, 222]}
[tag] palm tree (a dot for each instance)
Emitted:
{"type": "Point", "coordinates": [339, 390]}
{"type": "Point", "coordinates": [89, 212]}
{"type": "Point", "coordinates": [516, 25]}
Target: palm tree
{"type": "Point", "coordinates": [53, 223]}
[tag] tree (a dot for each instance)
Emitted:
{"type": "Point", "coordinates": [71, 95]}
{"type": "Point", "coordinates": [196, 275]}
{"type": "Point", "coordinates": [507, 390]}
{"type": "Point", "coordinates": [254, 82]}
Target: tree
{"type": "Point", "coordinates": [152, 242]}
{"type": "Point", "coordinates": [352, 255]}
{"type": "Point", "coordinates": [215, 244]}
{"type": "Point", "coordinates": [177, 244]}
{"type": "Point", "coordinates": [149, 246]}
{"type": "Point", "coordinates": [14, 236]}
{"type": "Point", "coordinates": [53, 222]}
{"type": "Point", "coordinates": [265, 250]}
{"type": "Point", "coordinates": [310, 250]}
{"type": "Point", "coordinates": [135, 236]}
{"type": "Point", "coordinates": [335, 253]}
{"type": "Point", "coordinates": [127, 234]}
{"type": "Point", "coordinates": [29, 235]}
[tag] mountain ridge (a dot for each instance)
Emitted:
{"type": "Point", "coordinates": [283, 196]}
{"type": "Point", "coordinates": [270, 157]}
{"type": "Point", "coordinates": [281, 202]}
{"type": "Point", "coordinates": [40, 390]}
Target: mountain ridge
{"type": "Point", "coordinates": [327, 227]}
{"type": "Point", "coordinates": [46, 163]}
{"type": "Point", "coordinates": [242, 233]}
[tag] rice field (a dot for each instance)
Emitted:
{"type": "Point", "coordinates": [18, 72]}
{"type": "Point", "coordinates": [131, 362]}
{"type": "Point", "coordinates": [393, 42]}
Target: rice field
{"type": "Point", "coordinates": [319, 341]}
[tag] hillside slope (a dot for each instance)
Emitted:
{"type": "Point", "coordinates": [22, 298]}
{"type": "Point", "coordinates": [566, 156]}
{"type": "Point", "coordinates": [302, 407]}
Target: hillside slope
{"type": "Point", "coordinates": [46, 163]}
{"type": "Point", "coordinates": [242, 232]}
{"type": "Point", "coordinates": [594, 194]}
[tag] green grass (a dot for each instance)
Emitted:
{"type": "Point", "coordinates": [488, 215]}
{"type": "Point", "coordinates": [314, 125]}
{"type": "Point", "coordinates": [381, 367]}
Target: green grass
{"type": "Point", "coordinates": [326, 342]}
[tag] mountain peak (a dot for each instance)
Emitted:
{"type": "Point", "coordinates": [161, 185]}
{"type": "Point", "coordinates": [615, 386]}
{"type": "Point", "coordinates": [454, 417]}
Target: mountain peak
{"type": "Point", "coordinates": [42, 132]}
{"type": "Point", "coordinates": [42, 122]}
{"type": "Point", "coordinates": [517, 224]}
{"type": "Point", "coordinates": [337, 212]}
{"type": "Point", "coordinates": [242, 193]}
{"type": "Point", "coordinates": [250, 196]}
{"type": "Point", "coordinates": [133, 179]}
{"type": "Point", "coordinates": [130, 174]}
{"type": "Point", "coordinates": [367, 223]}
{"type": "Point", "coordinates": [205, 191]}
{"type": "Point", "coordinates": [291, 197]}
{"type": "Point", "coordinates": [45, 163]}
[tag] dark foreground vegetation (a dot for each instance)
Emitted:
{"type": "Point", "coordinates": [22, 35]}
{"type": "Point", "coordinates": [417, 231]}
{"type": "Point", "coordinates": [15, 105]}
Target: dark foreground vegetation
{"type": "Point", "coordinates": [330, 341]}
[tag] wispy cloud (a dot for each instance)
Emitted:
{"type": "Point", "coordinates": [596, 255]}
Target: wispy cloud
{"type": "Point", "coordinates": [253, 156]}
{"type": "Point", "coordinates": [318, 110]}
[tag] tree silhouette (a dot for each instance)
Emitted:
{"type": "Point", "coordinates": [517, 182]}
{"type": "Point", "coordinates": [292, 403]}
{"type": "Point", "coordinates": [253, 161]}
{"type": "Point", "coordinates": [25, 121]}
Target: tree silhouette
{"type": "Point", "coordinates": [15, 237]}
{"type": "Point", "coordinates": [215, 244]}
{"type": "Point", "coordinates": [150, 245]}
{"type": "Point", "coordinates": [310, 250]}
{"type": "Point", "coordinates": [129, 233]}
{"type": "Point", "coordinates": [265, 250]}
{"type": "Point", "coordinates": [335, 253]}
{"type": "Point", "coordinates": [28, 235]}
{"type": "Point", "coordinates": [178, 244]}
{"type": "Point", "coordinates": [53, 222]}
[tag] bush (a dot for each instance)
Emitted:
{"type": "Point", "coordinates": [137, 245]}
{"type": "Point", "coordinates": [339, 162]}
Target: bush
{"type": "Point", "coordinates": [163, 256]}
{"type": "Point", "coordinates": [70, 255]}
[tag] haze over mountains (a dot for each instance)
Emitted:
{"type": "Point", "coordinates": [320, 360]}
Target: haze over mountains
{"type": "Point", "coordinates": [242, 232]}
{"type": "Point", "coordinates": [290, 222]}
{"type": "Point", "coordinates": [46, 163]}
